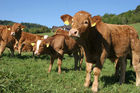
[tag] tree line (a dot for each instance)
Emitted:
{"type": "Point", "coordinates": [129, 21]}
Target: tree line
{"type": "Point", "coordinates": [129, 17]}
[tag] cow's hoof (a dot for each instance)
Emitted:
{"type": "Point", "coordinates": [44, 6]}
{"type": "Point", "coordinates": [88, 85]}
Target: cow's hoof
{"type": "Point", "coordinates": [94, 89]}
{"type": "Point", "coordinates": [86, 84]}
{"type": "Point", "coordinates": [138, 83]}
{"type": "Point", "coordinates": [49, 71]}
{"type": "Point", "coordinates": [59, 72]}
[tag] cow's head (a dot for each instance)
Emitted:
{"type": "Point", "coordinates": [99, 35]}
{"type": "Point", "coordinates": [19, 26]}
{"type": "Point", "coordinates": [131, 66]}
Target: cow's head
{"type": "Point", "coordinates": [17, 29]}
{"type": "Point", "coordinates": [80, 22]}
{"type": "Point", "coordinates": [41, 47]}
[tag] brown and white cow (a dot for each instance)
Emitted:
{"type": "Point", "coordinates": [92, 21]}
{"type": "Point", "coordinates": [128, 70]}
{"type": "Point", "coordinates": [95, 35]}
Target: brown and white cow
{"type": "Point", "coordinates": [27, 39]}
{"type": "Point", "coordinates": [100, 41]}
{"type": "Point", "coordinates": [56, 46]}
{"type": "Point", "coordinates": [6, 39]}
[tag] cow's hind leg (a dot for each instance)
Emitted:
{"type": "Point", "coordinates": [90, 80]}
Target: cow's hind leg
{"type": "Point", "coordinates": [122, 62]}
{"type": "Point", "coordinates": [117, 68]}
{"type": "Point", "coordinates": [136, 66]}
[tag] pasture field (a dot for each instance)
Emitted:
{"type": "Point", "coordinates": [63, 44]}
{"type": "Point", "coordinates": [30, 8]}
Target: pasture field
{"type": "Point", "coordinates": [24, 74]}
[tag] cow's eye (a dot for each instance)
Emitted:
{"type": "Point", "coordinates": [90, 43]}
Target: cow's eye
{"type": "Point", "coordinates": [86, 22]}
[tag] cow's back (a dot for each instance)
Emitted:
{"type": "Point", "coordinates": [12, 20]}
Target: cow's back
{"type": "Point", "coordinates": [28, 37]}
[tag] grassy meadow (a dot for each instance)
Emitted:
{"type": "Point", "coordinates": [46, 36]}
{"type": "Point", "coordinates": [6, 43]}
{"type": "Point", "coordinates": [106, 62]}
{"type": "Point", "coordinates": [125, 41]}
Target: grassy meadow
{"type": "Point", "coordinates": [24, 74]}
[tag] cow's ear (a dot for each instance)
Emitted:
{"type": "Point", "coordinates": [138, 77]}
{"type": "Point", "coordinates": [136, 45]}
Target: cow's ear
{"type": "Point", "coordinates": [22, 28]}
{"type": "Point", "coordinates": [67, 19]}
{"type": "Point", "coordinates": [8, 27]}
{"type": "Point", "coordinates": [95, 20]}
{"type": "Point", "coordinates": [47, 44]}
{"type": "Point", "coordinates": [32, 44]}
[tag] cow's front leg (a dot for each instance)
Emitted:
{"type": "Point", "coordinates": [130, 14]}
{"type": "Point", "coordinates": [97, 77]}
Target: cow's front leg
{"type": "Point", "coordinates": [51, 64]}
{"type": "Point", "coordinates": [136, 65]}
{"type": "Point", "coordinates": [76, 57]}
{"type": "Point", "coordinates": [59, 61]}
{"type": "Point", "coordinates": [88, 74]}
{"type": "Point", "coordinates": [97, 70]}
{"type": "Point", "coordinates": [20, 46]}
{"type": "Point", "coordinates": [12, 51]}
{"type": "Point", "coordinates": [81, 58]}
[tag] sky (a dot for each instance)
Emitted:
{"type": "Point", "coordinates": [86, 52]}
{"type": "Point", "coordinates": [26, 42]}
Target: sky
{"type": "Point", "coordinates": [48, 12]}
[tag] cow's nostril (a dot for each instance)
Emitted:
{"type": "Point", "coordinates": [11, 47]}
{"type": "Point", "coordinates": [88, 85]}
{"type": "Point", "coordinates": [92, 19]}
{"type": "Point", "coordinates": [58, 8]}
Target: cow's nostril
{"type": "Point", "coordinates": [75, 32]}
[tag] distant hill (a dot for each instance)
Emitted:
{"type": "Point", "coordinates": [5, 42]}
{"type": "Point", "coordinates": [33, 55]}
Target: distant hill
{"type": "Point", "coordinates": [30, 27]}
{"type": "Point", "coordinates": [129, 17]}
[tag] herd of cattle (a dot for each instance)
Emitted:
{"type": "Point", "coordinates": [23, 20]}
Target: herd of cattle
{"type": "Point", "coordinates": [88, 37]}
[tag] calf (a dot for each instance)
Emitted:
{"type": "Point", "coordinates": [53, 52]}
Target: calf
{"type": "Point", "coordinates": [100, 41]}
{"type": "Point", "coordinates": [56, 46]}
{"type": "Point", "coordinates": [81, 50]}
{"type": "Point", "coordinates": [6, 39]}
{"type": "Point", "coordinates": [27, 39]}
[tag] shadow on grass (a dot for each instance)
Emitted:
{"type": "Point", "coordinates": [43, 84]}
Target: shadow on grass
{"type": "Point", "coordinates": [129, 78]}
{"type": "Point", "coordinates": [66, 70]}
{"type": "Point", "coordinates": [28, 56]}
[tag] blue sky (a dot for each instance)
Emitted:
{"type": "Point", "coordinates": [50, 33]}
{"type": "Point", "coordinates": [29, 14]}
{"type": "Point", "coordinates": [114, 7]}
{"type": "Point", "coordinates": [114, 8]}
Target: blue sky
{"type": "Point", "coordinates": [48, 12]}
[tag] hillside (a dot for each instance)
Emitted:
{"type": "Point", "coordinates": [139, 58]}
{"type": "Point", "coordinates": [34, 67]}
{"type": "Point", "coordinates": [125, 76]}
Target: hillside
{"type": "Point", "coordinates": [30, 27]}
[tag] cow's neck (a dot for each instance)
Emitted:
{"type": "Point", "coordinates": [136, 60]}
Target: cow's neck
{"type": "Point", "coordinates": [18, 36]}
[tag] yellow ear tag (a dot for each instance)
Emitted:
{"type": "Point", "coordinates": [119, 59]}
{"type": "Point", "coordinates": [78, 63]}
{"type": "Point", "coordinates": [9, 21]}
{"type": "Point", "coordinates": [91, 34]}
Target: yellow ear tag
{"type": "Point", "coordinates": [22, 28]}
{"type": "Point", "coordinates": [32, 44]}
{"type": "Point", "coordinates": [47, 45]}
{"type": "Point", "coordinates": [92, 25]}
{"type": "Point", "coordinates": [66, 22]}
{"type": "Point", "coordinates": [9, 28]}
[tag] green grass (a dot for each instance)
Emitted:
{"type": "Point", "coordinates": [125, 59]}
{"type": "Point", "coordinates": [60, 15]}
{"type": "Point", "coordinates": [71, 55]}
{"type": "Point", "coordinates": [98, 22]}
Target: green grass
{"type": "Point", "coordinates": [49, 34]}
{"type": "Point", "coordinates": [137, 27]}
{"type": "Point", "coordinates": [27, 75]}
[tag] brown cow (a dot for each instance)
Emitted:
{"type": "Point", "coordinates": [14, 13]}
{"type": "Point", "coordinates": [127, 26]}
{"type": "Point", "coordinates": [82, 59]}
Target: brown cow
{"type": "Point", "coordinates": [28, 38]}
{"type": "Point", "coordinates": [81, 50]}
{"type": "Point", "coordinates": [101, 40]}
{"type": "Point", "coordinates": [16, 31]}
{"type": "Point", "coordinates": [56, 46]}
{"type": "Point", "coordinates": [6, 40]}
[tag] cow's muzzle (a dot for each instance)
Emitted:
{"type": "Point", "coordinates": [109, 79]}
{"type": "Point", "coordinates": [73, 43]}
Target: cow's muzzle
{"type": "Point", "coordinates": [74, 33]}
{"type": "Point", "coordinates": [13, 33]}
{"type": "Point", "coordinates": [37, 53]}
